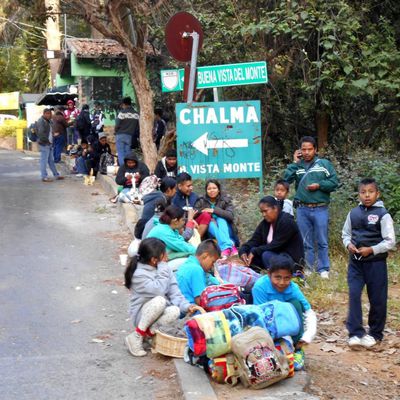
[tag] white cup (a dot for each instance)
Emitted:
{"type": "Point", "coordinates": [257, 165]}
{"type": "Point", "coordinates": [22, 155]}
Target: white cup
{"type": "Point", "coordinates": [123, 259]}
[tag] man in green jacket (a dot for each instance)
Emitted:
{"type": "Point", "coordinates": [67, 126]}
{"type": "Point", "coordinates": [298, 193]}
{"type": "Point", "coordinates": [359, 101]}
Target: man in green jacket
{"type": "Point", "coordinates": [315, 178]}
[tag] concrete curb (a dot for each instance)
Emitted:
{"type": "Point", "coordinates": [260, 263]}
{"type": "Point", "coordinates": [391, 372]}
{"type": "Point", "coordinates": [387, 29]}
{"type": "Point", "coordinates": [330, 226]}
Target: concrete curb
{"type": "Point", "coordinates": [194, 382]}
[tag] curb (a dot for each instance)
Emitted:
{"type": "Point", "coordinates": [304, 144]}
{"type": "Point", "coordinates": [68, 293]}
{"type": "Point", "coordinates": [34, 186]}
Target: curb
{"type": "Point", "coordinates": [193, 382]}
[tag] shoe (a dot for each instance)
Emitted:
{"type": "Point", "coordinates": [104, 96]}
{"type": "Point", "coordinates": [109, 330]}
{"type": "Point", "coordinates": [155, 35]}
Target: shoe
{"type": "Point", "coordinates": [298, 360]}
{"type": "Point", "coordinates": [354, 342]}
{"type": "Point", "coordinates": [367, 341]}
{"type": "Point", "coordinates": [134, 343]}
{"type": "Point", "coordinates": [47, 180]}
{"type": "Point", "coordinates": [225, 253]}
{"type": "Point", "coordinates": [59, 177]}
{"type": "Point", "coordinates": [324, 275]}
{"type": "Point", "coordinates": [234, 251]}
{"type": "Point", "coordinates": [79, 175]}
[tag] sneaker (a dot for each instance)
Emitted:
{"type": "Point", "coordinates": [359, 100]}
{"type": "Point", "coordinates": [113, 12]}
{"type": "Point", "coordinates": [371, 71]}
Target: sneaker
{"type": "Point", "coordinates": [225, 253]}
{"type": "Point", "coordinates": [134, 343]}
{"type": "Point", "coordinates": [354, 342]}
{"type": "Point", "coordinates": [47, 180]}
{"type": "Point", "coordinates": [298, 357]}
{"type": "Point", "coordinates": [324, 275]}
{"type": "Point", "coordinates": [234, 251]}
{"type": "Point", "coordinates": [79, 175]}
{"type": "Point", "coordinates": [367, 341]}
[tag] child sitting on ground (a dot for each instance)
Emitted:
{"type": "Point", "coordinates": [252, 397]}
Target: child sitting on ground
{"type": "Point", "coordinates": [368, 235]}
{"type": "Point", "coordinates": [155, 296]}
{"type": "Point", "coordinates": [194, 275]}
{"type": "Point", "coordinates": [281, 193]}
{"type": "Point", "coordinates": [278, 285]}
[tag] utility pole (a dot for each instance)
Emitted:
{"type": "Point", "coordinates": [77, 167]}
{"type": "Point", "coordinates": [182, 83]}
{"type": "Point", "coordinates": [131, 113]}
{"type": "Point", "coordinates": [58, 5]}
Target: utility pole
{"type": "Point", "coordinates": [53, 36]}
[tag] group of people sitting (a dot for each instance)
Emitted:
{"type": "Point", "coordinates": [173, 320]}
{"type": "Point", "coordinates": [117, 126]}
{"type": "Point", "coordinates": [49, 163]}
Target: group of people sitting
{"type": "Point", "coordinates": [183, 235]}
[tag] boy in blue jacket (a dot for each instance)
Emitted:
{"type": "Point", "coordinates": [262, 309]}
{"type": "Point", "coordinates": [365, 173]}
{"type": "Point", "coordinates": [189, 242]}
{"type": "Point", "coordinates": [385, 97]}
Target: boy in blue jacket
{"type": "Point", "coordinates": [368, 235]}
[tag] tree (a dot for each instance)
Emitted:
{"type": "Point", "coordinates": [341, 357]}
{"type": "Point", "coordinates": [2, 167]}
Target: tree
{"type": "Point", "coordinates": [127, 22]}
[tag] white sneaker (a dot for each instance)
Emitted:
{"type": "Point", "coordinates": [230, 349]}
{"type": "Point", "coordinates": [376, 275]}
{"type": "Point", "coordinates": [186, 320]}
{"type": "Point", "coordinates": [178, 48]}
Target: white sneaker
{"type": "Point", "coordinates": [368, 341]}
{"type": "Point", "coordinates": [134, 343]}
{"type": "Point", "coordinates": [354, 341]}
{"type": "Point", "coordinates": [324, 275]}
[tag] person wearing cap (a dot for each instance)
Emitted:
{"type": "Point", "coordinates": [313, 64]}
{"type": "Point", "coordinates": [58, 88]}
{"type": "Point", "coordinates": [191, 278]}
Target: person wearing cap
{"type": "Point", "coordinates": [45, 142]}
{"type": "Point", "coordinates": [100, 147]}
{"type": "Point", "coordinates": [167, 166]}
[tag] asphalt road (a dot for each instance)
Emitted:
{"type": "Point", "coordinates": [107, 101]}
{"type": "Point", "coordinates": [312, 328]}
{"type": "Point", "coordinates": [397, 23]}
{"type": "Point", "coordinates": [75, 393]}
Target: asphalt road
{"type": "Point", "coordinates": [58, 292]}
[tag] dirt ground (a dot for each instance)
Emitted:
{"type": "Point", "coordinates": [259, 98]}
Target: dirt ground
{"type": "Point", "coordinates": [340, 373]}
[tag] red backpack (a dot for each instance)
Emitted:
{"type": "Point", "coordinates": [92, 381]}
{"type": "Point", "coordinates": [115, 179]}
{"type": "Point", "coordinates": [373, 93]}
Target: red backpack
{"type": "Point", "coordinates": [220, 297]}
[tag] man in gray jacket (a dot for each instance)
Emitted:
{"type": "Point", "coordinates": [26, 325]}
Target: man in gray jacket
{"type": "Point", "coordinates": [45, 142]}
{"type": "Point", "coordinates": [126, 129]}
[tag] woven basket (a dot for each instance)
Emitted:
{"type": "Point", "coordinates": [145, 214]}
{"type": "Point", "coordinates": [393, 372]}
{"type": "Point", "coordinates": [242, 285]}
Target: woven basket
{"type": "Point", "coordinates": [168, 345]}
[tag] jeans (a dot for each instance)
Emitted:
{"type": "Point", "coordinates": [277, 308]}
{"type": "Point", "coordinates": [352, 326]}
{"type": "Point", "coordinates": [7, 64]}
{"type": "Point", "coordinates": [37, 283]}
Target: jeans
{"type": "Point", "coordinates": [313, 224]}
{"type": "Point", "coordinates": [123, 143]}
{"type": "Point", "coordinates": [374, 275]}
{"type": "Point", "coordinates": [46, 157]}
{"type": "Point", "coordinates": [81, 166]}
{"type": "Point", "coordinates": [59, 143]}
{"type": "Point", "coordinates": [221, 230]}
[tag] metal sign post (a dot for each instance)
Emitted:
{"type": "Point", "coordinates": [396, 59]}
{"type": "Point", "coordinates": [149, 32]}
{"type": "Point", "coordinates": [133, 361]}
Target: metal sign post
{"type": "Point", "coordinates": [193, 63]}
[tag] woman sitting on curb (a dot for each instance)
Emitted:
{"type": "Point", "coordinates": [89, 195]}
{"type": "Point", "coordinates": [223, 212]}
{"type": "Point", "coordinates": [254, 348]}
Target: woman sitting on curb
{"type": "Point", "coordinates": [217, 208]}
{"type": "Point", "coordinates": [168, 230]}
{"type": "Point", "coordinates": [156, 299]}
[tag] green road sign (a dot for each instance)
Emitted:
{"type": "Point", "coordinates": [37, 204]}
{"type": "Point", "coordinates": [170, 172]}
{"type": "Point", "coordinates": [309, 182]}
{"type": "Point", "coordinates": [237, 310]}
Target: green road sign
{"type": "Point", "coordinates": [220, 140]}
{"type": "Point", "coordinates": [217, 76]}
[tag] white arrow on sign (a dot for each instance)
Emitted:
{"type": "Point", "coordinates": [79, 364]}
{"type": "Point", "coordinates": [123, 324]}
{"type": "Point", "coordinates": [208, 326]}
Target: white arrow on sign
{"type": "Point", "coordinates": [203, 144]}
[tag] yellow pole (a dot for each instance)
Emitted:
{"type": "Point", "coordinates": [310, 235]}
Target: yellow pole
{"type": "Point", "coordinates": [20, 138]}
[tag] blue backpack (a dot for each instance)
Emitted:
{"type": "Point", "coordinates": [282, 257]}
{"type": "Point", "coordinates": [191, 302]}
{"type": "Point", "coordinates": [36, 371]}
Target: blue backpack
{"type": "Point", "coordinates": [32, 132]}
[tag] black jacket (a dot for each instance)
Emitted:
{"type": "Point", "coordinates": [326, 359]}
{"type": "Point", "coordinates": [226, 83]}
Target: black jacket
{"type": "Point", "coordinates": [163, 170]}
{"type": "Point", "coordinates": [286, 238]}
{"type": "Point", "coordinates": [127, 121]}
{"type": "Point", "coordinates": [83, 124]}
{"type": "Point", "coordinates": [223, 207]}
{"type": "Point", "coordinates": [43, 127]}
{"type": "Point", "coordinates": [140, 168]}
{"type": "Point", "coordinates": [99, 149]}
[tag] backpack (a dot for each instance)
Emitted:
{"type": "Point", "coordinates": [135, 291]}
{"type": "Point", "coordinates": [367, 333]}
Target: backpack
{"type": "Point", "coordinates": [148, 185]}
{"type": "Point", "coordinates": [106, 160]}
{"type": "Point", "coordinates": [224, 369]}
{"type": "Point", "coordinates": [260, 364]}
{"type": "Point", "coordinates": [220, 297]}
{"type": "Point", "coordinates": [32, 132]}
{"type": "Point", "coordinates": [238, 274]}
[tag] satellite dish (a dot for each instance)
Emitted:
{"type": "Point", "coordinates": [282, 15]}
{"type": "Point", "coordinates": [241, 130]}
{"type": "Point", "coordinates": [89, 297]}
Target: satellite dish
{"type": "Point", "coordinates": [179, 44]}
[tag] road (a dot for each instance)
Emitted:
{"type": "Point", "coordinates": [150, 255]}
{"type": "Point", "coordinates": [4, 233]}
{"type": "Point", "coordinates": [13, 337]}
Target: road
{"type": "Point", "coordinates": [63, 311]}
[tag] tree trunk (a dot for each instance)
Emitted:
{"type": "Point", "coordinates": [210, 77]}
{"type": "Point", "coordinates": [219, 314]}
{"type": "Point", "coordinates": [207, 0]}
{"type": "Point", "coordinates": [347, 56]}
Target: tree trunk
{"type": "Point", "coordinates": [144, 94]}
{"type": "Point", "coordinates": [322, 125]}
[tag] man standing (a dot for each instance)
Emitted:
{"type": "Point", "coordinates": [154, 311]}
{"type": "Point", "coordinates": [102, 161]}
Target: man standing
{"type": "Point", "coordinates": [315, 178]}
{"type": "Point", "coordinates": [45, 142]}
{"type": "Point", "coordinates": [126, 126]}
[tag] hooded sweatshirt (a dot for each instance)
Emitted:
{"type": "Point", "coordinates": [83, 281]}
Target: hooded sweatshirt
{"type": "Point", "coordinates": [127, 121]}
{"type": "Point", "coordinates": [162, 169]}
{"type": "Point", "coordinates": [370, 227]}
{"type": "Point", "coordinates": [139, 167]}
